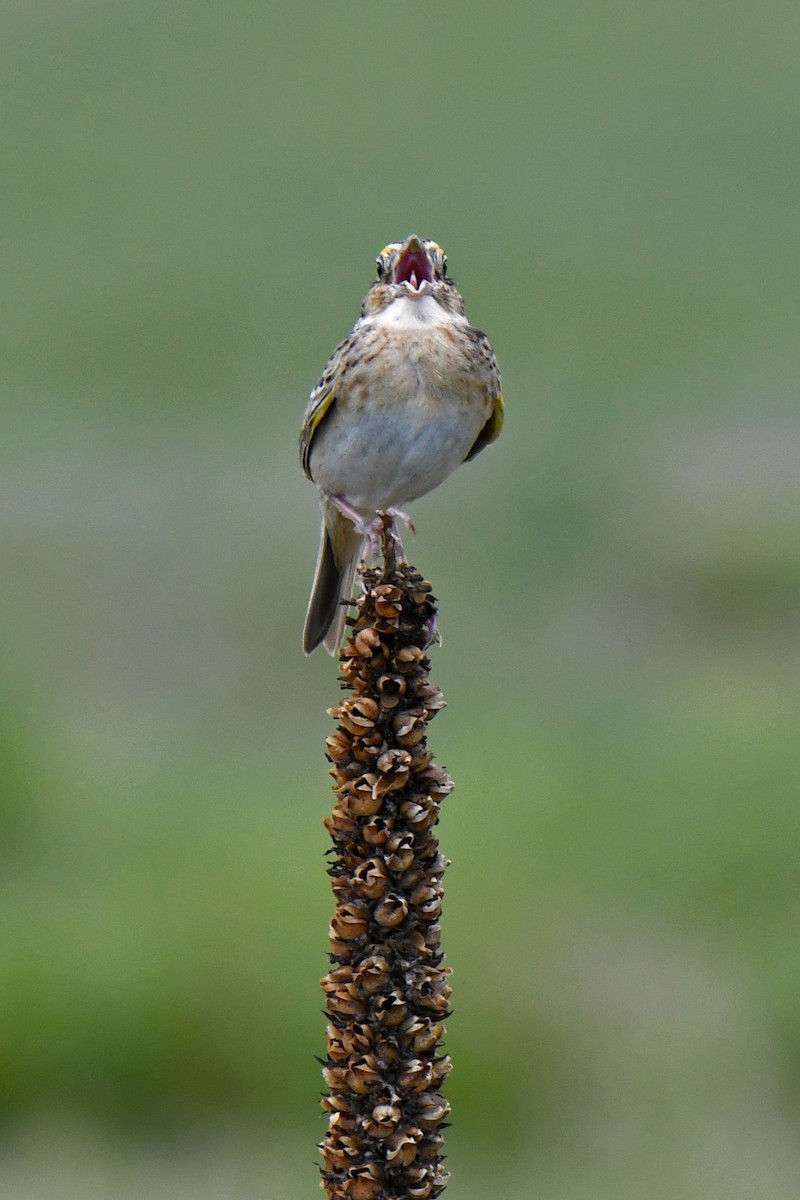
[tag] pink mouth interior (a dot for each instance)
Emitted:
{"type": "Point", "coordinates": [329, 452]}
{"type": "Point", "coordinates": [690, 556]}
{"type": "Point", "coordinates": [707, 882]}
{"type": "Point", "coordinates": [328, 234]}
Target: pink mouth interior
{"type": "Point", "coordinates": [413, 267]}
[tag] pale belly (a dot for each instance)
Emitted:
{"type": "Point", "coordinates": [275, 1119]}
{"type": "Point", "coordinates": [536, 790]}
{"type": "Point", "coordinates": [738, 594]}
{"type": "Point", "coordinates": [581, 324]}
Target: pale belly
{"type": "Point", "coordinates": [385, 457]}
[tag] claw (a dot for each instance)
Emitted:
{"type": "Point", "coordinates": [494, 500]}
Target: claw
{"type": "Point", "coordinates": [433, 633]}
{"type": "Point", "coordinates": [399, 514]}
{"type": "Point", "coordinates": [372, 528]}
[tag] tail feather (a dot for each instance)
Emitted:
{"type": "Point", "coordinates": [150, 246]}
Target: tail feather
{"type": "Point", "coordinates": [339, 549]}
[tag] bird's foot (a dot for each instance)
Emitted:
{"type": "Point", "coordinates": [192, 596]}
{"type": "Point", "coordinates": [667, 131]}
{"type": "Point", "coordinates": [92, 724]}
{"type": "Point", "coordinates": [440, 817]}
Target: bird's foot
{"type": "Point", "coordinates": [433, 633]}
{"type": "Point", "coordinates": [369, 527]}
{"type": "Point", "coordinates": [397, 514]}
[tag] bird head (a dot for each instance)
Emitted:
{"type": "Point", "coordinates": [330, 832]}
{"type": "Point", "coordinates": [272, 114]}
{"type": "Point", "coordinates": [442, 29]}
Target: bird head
{"type": "Point", "coordinates": [412, 270]}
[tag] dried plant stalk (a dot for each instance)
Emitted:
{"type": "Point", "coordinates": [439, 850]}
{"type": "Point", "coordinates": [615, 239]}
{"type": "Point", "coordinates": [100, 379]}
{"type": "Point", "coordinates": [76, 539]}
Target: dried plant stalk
{"type": "Point", "coordinates": [387, 991]}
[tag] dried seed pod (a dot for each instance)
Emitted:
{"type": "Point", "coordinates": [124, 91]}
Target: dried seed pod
{"type": "Point", "coordinates": [373, 974]}
{"type": "Point", "coordinates": [357, 1039]}
{"type": "Point", "coordinates": [363, 644]}
{"type": "Point", "coordinates": [425, 1036]}
{"type": "Point", "coordinates": [407, 659]}
{"type": "Point", "coordinates": [357, 714]}
{"type": "Point", "coordinates": [391, 911]}
{"type": "Point", "coordinates": [370, 878]}
{"type": "Point", "coordinates": [401, 1147]}
{"type": "Point", "coordinates": [383, 1120]}
{"type": "Point", "coordinates": [390, 1008]}
{"type": "Point", "coordinates": [416, 1076]}
{"type": "Point", "coordinates": [363, 796]}
{"type": "Point", "coordinates": [363, 1074]}
{"type": "Point", "coordinates": [401, 859]}
{"type": "Point", "coordinates": [349, 921]}
{"type": "Point", "coordinates": [377, 831]}
{"type": "Point", "coordinates": [364, 1182]}
{"type": "Point", "coordinates": [409, 728]}
{"type": "Point", "coordinates": [391, 689]}
{"type": "Point", "coordinates": [339, 746]}
{"type": "Point", "coordinates": [431, 1110]}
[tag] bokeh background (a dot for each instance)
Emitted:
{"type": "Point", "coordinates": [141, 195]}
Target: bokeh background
{"type": "Point", "coordinates": [193, 197]}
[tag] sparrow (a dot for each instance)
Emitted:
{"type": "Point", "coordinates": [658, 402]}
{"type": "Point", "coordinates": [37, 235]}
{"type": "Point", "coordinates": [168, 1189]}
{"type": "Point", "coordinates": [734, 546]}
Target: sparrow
{"type": "Point", "coordinates": [411, 393]}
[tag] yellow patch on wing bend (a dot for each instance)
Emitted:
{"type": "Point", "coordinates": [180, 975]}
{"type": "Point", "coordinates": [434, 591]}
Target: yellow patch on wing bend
{"type": "Point", "coordinates": [310, 427]}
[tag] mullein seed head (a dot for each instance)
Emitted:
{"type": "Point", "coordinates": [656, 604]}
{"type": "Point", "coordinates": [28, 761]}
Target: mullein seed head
{"type": "Point", "coordinates": [387, 990]}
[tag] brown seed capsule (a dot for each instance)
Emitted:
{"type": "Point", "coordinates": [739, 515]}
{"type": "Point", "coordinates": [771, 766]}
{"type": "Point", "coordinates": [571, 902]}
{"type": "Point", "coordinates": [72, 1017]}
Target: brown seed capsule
{"type": "Point", "coordinates": [339, 823]}
{"type": "Point", "coordinates": [363, 1074]}
{"type": "Point", "coordinates": [424, 1038]}
{"type": "Point", "coordinates": [401, 1147]}
{"type": "Point", "coordinates": [395, 762]}
{"type": "Point", "coordinates": [357, 1039]}
{"type": "Point", "coordinates": [424, 893]}
{"type": "Point", "coordinates": [416, 1076]}
{"type": "Point", "coordinates": [336, 1049]}
{"type": "Point", "coordinates": [391, 1008]}
{"type": "Point", "coordinates": [419, 814]}
{"type": "Point", "coordinates": [373, 974]}
{"type": "Point", "coordinates": [391, 689]}
{"type": "Point", "coordinates": [334, 1077]}
{"type": "Point", "coordinates": [364, 1182]}
{"type": "Point", "coordinates": [437, 781]}
{"type": "Point", "coordinates": [431, 1110]}
{"type": "Point", "coordinates": [391, 911]}
{"type": "Point", "coordinates": [363, 796]}
{"type": "Point", "coordinates": [388, 601]}
{"type": "Point", "coordinates": [350, 1147]}
{"type": "Point", "coordinates": [364, 643]}
{"type": "Point", "coordinates": [341, 974]}
{"type": "Point", "coordinates": [409, 730]}
{"type": "Point", "coordinates": [382, 1121]}
{"type": "Point", "coordinates": [357, 714]}
{"type": "Point", "coordinates": [388, 1051]}
{"type": "Point", "coordinates": [349, 921]}
{"type": "Point", "coordinates": [344, 1001]}
{"type": "Point", "coordinates": [339, 746]}
{"type": "Point", "coordinates": [377, 831]}
{"type": "Point", "coordinates": [440, 1069]}
{"type": "Point", "coordinates": [400, 853]}
{"type": "Point", "coordinates": [336, 1157]}
{"type": "Point", "coordinates": [420, 757]}
{"type": "Point", "coordinates": [371, 878]}
{"type": "Point", "coordinates": [407, 659]}
{"type": "Point", "coordinates": [431, 910]}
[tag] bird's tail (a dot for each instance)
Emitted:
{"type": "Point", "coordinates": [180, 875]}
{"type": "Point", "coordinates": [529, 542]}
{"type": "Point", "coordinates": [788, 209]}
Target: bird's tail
{"type": "Point", "coordinates": [339, 551]}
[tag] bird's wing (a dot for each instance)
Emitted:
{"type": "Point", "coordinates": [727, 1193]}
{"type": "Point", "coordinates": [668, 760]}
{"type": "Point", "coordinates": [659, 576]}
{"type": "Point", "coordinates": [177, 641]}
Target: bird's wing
{"type": "Point", "coordinates": [494, 422]}
{"type": "Point", "coordinates": [491, 429]}
{"type": "Point", "coordinates": [321, 400]}
{"type": "Point", "coordinates": [319, 406]}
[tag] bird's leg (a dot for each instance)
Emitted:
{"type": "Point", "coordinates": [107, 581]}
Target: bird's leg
{"type": "Point", "coordinates": [370, 529]}
{"type": "Point", "coordinates": [398, 514]}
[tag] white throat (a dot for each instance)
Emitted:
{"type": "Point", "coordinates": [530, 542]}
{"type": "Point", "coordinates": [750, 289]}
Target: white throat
{"type": "Point", "coordinates": [409, 313]}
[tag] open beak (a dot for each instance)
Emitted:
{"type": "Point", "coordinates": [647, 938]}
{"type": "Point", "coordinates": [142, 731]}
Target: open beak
{"type": "Point", "coordinates": [413, 265]}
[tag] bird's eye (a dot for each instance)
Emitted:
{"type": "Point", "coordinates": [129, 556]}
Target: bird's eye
{"type": "Point", "coordinates": [379, 265]}
{"type": "Point", "coordinates": [444, 266]}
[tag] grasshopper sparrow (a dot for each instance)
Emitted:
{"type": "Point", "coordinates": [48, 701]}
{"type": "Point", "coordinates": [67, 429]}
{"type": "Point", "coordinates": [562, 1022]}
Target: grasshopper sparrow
{"type": "Point", "coordinates": [410, 394]}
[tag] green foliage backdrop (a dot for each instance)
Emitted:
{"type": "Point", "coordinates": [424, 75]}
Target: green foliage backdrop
{"type": "Point", "coordinates": [193, 196]}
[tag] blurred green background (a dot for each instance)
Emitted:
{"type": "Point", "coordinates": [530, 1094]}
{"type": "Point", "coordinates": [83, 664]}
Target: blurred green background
{"type": "Point", "coordinates": [193, 197]}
